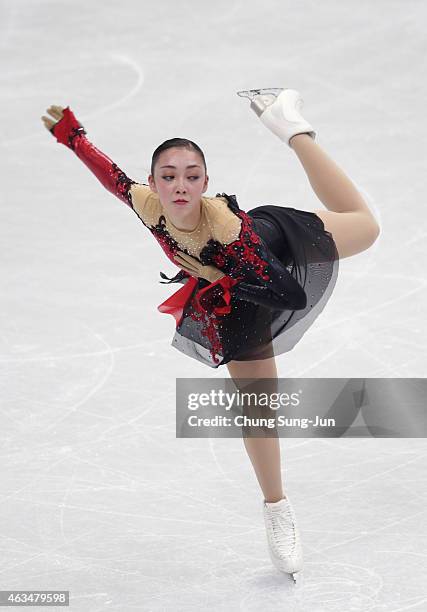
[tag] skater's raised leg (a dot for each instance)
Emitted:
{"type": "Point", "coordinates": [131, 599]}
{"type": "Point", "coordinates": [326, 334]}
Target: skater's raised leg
{"type": "Point", "coordinates": [348, 218]}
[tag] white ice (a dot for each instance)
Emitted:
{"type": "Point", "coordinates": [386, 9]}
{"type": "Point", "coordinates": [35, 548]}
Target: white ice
{"type": "Point", "coordinates": [98, 497]}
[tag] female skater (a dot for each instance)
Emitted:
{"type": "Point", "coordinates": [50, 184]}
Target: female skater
{"type": "Point", "coordinates": [253, 282]}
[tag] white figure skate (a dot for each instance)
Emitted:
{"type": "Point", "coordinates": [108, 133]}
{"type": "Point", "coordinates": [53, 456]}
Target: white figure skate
{"type": "Point", "coordinates": [279, 110]}
{"type": "Point", "coordinates": [283, 537]}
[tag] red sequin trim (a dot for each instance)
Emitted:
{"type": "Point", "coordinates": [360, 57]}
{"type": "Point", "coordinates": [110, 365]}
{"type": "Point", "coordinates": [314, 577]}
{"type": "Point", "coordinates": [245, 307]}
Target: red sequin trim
{"type": "Point", "coordinates": [209, 330]}
{"type": "Point", "coordinates": [168, 244]}
{"type": "Point", "coordinates": [243, 251]}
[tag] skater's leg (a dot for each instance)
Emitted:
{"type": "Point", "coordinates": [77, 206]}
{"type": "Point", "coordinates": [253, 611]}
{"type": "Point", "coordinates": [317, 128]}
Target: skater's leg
{"type": "Point", "coordinates": [348, 218]}
{"type": "Point", "coordinates": [283, 536]}
{"type": "Point", "coordinates": [264, 453]}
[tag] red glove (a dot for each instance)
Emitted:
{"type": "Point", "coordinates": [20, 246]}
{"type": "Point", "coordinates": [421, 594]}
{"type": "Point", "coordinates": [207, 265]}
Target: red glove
{"type": "Point", "coordinates": [66, 129]}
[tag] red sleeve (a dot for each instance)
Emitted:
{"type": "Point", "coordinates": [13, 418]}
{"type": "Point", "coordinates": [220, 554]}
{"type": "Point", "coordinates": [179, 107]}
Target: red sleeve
{"type": "Point", "coordinates": [69, 132]}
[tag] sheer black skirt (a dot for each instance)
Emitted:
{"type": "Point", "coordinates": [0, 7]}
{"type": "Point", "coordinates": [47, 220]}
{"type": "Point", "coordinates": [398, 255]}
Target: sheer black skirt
{"type": "Point", "coordinates": [299, 239]}
{"type": "Point", "coordinates": [250, 332]}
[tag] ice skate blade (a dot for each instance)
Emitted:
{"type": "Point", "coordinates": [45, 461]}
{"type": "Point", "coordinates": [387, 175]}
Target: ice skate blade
{"type": "Point", "coordinates": [251, 93]}
{"type": "Point", "coordinates": [296, 576]}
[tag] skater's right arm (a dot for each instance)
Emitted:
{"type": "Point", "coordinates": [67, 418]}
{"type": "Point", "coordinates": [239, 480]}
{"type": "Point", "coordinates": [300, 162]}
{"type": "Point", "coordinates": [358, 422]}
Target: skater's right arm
{"type": "Point", "coordinates": [70, 132]}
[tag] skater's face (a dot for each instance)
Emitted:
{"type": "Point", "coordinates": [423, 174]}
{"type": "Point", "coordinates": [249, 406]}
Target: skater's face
{"type": "Point", "coordinates": [179, 173]}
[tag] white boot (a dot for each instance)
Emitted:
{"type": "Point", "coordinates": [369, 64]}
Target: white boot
{"type": "Point", "coordinates": [279, 110]}
{"type": "Point", "coordinates": [283, 537]}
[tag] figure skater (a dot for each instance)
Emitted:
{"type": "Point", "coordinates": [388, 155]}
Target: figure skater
{"type": "Point", "coordinates": [253, 282]}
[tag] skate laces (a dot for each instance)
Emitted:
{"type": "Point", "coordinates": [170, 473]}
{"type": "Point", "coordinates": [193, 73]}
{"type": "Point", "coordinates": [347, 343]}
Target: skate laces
{"type": "Point", "coordinates": [282, 526]}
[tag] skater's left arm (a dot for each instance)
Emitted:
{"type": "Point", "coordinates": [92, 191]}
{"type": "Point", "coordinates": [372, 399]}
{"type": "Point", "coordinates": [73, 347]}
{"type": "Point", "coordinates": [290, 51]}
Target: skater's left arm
{"type": "Point", "coordinates": [262, 278]}
{"type": "Point", "coordinates": [277, 289]}
{"type": "Point", "coordinates": [257, 276]}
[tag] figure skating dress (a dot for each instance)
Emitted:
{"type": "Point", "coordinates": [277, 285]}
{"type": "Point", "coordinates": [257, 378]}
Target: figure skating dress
{"type": "Point", "coordinates": [280, 265]}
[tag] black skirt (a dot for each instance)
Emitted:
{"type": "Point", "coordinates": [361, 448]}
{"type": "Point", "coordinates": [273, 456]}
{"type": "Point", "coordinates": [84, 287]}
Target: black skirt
{"type": "Point", "coordinates": [251, 331]}
{"type": "Point", "coordinates": [299, 239]}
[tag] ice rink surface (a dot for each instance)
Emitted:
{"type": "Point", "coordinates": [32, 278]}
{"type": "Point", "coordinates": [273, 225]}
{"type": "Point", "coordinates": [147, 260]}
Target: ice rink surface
{"type": "Point", "coordinates": [98, 497]}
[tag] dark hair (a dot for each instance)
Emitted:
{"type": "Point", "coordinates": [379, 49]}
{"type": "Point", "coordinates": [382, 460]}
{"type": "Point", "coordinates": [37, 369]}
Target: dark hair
{"type": "Point", "coordinates": [176, 142]}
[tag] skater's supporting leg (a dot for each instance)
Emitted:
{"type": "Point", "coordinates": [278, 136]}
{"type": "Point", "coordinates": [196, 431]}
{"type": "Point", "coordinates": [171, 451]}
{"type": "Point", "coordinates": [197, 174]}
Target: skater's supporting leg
{"type": "Point", "coordinates": [357, 229]}
{"type": "Point", "coordinates": [264, 453]}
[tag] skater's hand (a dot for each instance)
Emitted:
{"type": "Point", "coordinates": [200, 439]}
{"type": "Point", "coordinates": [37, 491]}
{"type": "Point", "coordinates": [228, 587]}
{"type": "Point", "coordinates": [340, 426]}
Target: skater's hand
{"type": "Point", "coordinates": [56, 112]}
{"type": "Point", "coordinates": [195, 268]}
{"type": "Point", "coordinates": [66, 128]}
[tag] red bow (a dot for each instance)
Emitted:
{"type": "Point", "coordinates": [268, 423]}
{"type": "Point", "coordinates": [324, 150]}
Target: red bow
{"type": "Point", "coordinates": [176, 303]}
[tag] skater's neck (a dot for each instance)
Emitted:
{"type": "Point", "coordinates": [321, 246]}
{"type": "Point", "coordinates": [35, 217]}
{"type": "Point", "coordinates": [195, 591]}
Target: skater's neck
{"type": "Point", "coordinates": [186, 223]}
